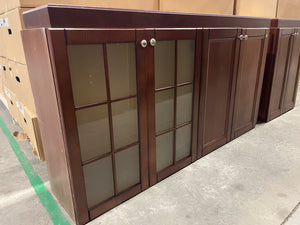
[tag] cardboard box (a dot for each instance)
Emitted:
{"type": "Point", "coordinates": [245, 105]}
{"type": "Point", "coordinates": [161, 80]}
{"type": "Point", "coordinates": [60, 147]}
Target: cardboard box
{"type": "Point", "coordinates": [288, 9]}
{"type": "Point", "coordinates": [3, 75]}
{"type": "Point", "coordinates": [6, 74]}
{"type": "Point", "coordinates": [3, 30]}
{"type": "Point", "coordinates": [12, 35]}
{"type": "Point", "coordinates": [259, 8]}
{"type": "Point", "coordinates": [6, 5]}
{"type": "Point", "coordinates": [1, 86]}
{"type": "Point", "coordinates": [12, 105]}
{"type": "Point", "coordinates": [18, 82]}
{"type": "Point", "coordinates": [198, 6]}
{"type": "Point", "coordinates": [27, 120]}
{"type": "Point", "coordinates": [30, 126]}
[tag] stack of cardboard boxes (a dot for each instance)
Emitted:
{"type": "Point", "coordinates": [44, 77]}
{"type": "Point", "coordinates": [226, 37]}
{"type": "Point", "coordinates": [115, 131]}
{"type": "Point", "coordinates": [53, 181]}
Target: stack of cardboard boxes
{"type": "Point", "coordinates": [15, 84]}
{"type": "Point", "coordinates": [281, 9]}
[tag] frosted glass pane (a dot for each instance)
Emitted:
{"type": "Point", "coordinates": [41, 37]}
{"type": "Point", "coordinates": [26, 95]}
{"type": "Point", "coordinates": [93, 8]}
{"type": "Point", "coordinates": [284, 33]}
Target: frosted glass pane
{"type": "Point", "coordinates": [125, 122]}
{"type": "Point", "coordinates": [99, 183]}
{"type": "Point", "coordinates": [164, 110]}
{"type": "Point", "coordinates": [184, 104]}
{"type": "Point", "coordinates": [164, 63]}
{"type": "Point", "coordinates": [183, 142]}
{"type": "Point", "coordinates": [128, 168]}
{"type": "Point", "coordinates": [164, 151]}
{"type": "Point", "coordinates": [122, 69]}
{"type": "Point", "coordinates": [93, 129]}
{"type": "Point", "coordinates": [185, 60]}
{"type": "Point", "coordinates": [87, 73]}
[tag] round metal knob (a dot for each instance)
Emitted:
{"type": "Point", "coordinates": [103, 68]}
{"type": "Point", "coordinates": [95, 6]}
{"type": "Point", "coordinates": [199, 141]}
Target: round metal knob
{"type": "Point", "coordinates": [144, 43]}
{"type": "Point", "coordinates": [241, 37]}
{"type": "Point", "coordinates": [152, 42]}
{"type": "Point", "coordinates": [246, 37]}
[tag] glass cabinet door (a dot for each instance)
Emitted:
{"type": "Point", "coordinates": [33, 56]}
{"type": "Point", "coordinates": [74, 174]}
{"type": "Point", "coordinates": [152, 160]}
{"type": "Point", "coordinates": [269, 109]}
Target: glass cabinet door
{"type": "Point", "coordinates": [104, 85]}
{"type": "Point", "coordinates": [173, 93]}
{"type": "Point", "coordinates": [129, 104]}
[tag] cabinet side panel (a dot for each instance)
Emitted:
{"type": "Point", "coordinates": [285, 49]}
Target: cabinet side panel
{"type": "Point", "coordinates": [40, 72]}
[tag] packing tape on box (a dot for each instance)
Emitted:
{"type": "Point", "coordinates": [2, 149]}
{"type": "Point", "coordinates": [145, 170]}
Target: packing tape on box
{"type": "Point", "coordinates": [20, 108]}
{"type": "Point", "coordinates": [7, 93]}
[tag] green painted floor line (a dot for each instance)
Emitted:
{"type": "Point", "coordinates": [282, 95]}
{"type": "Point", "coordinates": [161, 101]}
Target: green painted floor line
{"type": "Point", "coordinates": [45, 196]}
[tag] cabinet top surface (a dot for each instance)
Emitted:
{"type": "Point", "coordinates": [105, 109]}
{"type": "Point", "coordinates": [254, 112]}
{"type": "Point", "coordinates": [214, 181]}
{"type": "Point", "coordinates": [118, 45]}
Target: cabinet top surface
{"type": "Point", "coordinates": [285, 23]}
{"type": "Point", "coordinates": [69, 16]}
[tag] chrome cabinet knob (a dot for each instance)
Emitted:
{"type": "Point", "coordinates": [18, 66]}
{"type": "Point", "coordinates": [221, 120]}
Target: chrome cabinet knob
{"type": "Point", "coordinates": [152, 42]}
{"type": "Point", "coordinates": [246, 37]}
{"type": "Point", "coordinates": [144, 43]}
{"type": "Point", "coordinates": [241, 37]}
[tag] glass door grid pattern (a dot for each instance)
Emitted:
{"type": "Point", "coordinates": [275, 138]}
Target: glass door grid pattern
{"type": "Point", "coordinates": [180, 54]}
{"type": "Point", "coordinates": [122, 54]}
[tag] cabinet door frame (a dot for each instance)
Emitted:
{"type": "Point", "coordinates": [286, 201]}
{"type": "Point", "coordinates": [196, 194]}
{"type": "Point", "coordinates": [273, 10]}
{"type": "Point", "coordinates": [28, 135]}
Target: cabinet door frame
{"type": "Point", "coordinates": [251, 33]}
{"type": "Point", "coordinates": [285, 108]}
{"type": "Point", "coordinates": [161, 34]}
{"type": "Point", "coordinates": [281, 32]}
{"type": "Point", "coordinates": [58, 41]}
{"type": "Point", "coordinates": [216, 34]}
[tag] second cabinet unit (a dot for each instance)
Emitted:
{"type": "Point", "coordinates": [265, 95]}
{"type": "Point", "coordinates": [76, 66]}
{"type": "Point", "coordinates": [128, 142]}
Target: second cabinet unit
{"type": "Point", "coordinates": [282, 70]}
{"type": "Point", "coordinates": [231, 79]}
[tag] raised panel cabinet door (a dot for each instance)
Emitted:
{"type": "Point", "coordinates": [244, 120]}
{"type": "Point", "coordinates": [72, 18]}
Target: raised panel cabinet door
{"type": "Point", "coordinates": [249, 80]}
{"type": "Point", "coordinates": [101, 92]}
{"type": "Point", "coordinates": [219, 65]}
{"type": "Point", "coordinates": [292, 78]}
{"type": "Point", "coordinates": [282, 60]}
{"type": "Point", "coordinates": [173, 88]}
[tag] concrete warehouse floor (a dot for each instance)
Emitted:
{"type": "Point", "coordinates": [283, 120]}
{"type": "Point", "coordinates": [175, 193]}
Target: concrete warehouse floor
{"type": "Point", "coordinates": [254, 180]}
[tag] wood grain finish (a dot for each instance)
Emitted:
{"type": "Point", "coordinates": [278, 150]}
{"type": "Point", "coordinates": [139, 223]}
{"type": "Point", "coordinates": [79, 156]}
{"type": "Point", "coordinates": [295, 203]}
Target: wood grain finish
{"type": "Point", "coordinates": [99, 36]}
{"type": "Point", "coordinates": [197, 99]}
{"type": "Point", "coordinates": [293, 78]}
{"type": "Point", "coordinates": [249, 81]}
{"type": "Point", "coordinates": [281, 73]}
{"type": "Point", "coordinates": [110, 203]}
{"type": "Point", "coordinates": [168, 35]}
{"type": "Point", "coordinates": [62, 81]}
{"type": "Point", "coordinates": [44, 91]}
{"type": "Point", "coordinates": [60, 16]}
{"type": "Point", "coordinates": [222, 88]}
{"type": "Point", "coordinates": [219, 58]}
{"type": "Point", "coordinates": [288, 23]}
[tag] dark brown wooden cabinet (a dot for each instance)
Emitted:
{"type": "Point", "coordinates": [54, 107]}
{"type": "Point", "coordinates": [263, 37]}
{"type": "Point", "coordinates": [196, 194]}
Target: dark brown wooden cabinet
{"type": "Point", "coordinates": [220, 55]}
{"type": "Point", "coordinates": [249, 81]}
{"type": "Point", "coordinates": [282, 70]}
{"type": "Point", "coordinates": [232, 72]}
{"type": "Point", "coordinates": [137, 96]}
{"type": "Point", "coordinates": [289, 99]}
